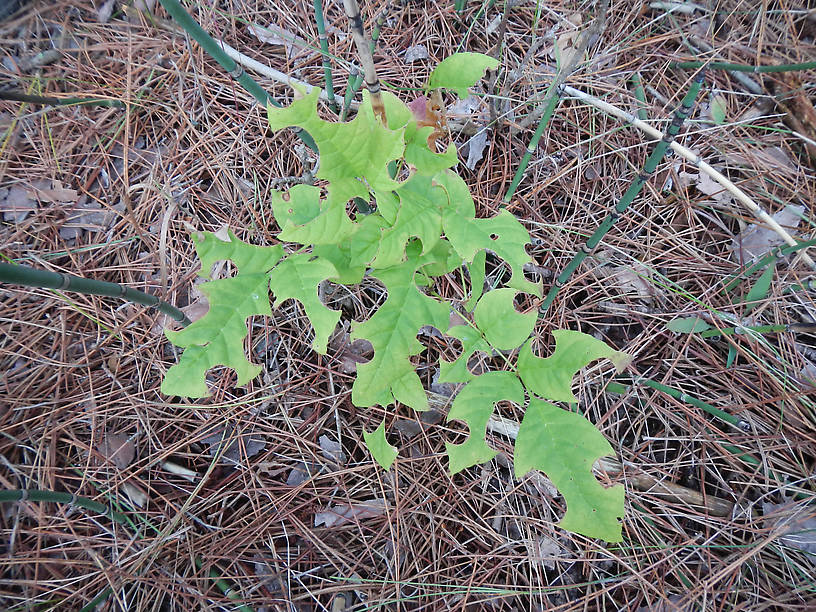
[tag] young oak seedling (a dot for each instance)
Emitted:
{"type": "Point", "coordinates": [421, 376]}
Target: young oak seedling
{"type": "Point", "coordinates": [424, 226]}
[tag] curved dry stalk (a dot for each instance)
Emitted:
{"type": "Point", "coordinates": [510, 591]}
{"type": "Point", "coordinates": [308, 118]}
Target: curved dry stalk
{"type": "Point", "coordinates": [695, 159]}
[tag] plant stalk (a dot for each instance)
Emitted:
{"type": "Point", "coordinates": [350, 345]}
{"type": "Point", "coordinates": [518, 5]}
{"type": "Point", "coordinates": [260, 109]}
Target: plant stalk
{"type": "Point", "coordinates": [233, 69]}
{"type": "Point", "coordinates": [19, 96]}
{"type": "Point", "coordinates": [554, 92]}
{"type": "Point", "coordinates": [324, 51]}
{"type": "Point", "coordinates": [744, 67]}
{"type": "Point", "coordinates": [19, 274]}
{"type": "Point", "coordinates": [366, 58]}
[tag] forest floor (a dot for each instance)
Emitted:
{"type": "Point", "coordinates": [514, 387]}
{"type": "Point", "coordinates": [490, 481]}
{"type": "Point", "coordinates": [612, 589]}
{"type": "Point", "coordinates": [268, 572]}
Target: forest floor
{"type": "Point", "coordinates": [294, 514]}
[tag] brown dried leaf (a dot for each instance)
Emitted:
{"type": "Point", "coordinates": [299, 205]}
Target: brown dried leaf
{"type": "Point", "coordinates": [117, 449]}
{"type": "Point", "coordinates": [349, 513]}
{"type": "Point", "coordinates": [53, 193]}
{"type": "Point", "coordinates": [757, 240]}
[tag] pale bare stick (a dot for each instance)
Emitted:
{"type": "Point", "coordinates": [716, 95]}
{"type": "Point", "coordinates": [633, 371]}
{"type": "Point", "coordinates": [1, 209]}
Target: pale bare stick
{"type": "Point", "coordinates": [695, 159]}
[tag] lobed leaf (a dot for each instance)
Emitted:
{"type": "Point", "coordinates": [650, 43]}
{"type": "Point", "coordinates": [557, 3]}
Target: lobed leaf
{"type": "Point", "coordinates": [474, 405]}
{"type": "Point", "coordinates": [419, 215]}
{"type": "Point", "coordinates": [501, 324]}
{"type": "Point", "coordinates": [392, 332]}
{"type": "Point", "coordinates": [460, 71]}
{"type": "Point", "coordinates": [307, 219]}
{"type": "Point", "coordinates": [361, 148]}
{"type": "Point", "coordinates": [472, 341]}
{"type": "Point", "coordinates": [248, 258]}
{"type": "Point", "coordinates": [564, 445]}
{"type": "Point", "coordinates": [298, 277]}
{"type": "Point", "coordinates": [502, 234]}
{"type": "Point", "coordinates": [378, 446]}
{"type": "Point", "coordinates": [218, 337]}
{"type": "Point", "coordinates": [551, 378]}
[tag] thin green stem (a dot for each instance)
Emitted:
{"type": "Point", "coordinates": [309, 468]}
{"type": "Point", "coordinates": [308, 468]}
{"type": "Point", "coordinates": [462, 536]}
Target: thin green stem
{"type": "Point", "coordinates": [552, 97]}
{"type": "Point", "coordinates": [744, 67]}
{"type": "Point", "coordinates": [19, 274]}
{"type": "Point", "coordinates": [224, 586]}
{"type": "Point", "coordinates": [758, 329]}
{"type": "Point", "coordinates": [553, 94]}
{"type": "Point", "coordinates": [233, 69]}
{"type": "Point", "coordinates": [798, 492]}
{"type": "Point", "coordinates": [353, 84]}
{"type": "Point", "coordinates": [324, 51]}
{"type": "Point", "coordinates": [36, 495]}
{"type": "Point", "coordinates": [688, 399]}
{"type": "Point", "coordinates": [628, 197]}
{"type": "Point", "coordinates": [378, 24]}
{"type": "Point", "coordinates": [640, 96]}
{"type": "Point", "coordinates": [19, 96]}
{"type": "Point", "coordinates": [364, 51]}
{"type": "Point", "coordinates": [769, 259]}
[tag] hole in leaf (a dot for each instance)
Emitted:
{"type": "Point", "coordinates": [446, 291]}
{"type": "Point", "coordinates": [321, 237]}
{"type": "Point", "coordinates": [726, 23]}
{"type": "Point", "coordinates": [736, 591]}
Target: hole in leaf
{"type": "Point", "coordinates": [456, 432]}
{"type": "Point", "coordinates": [494, 236]}
{"type": "Point", "coordinates": [478, 363]}
{"type": "Point", "coordinates": [286, 197]}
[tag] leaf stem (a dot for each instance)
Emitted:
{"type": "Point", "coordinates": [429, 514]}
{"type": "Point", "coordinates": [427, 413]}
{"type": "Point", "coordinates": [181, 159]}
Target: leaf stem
{"type": "Point", "coordinates": [364, 48]}
{"type": "Point", "coordinates": [232, 68]}
{"type": "Point", "coordinates": [554, 92]}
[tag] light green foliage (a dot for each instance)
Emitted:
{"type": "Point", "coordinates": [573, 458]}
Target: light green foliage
{"type": "Point", "coordinates": [381, 450]}
{"type": "Point", "coordinates": [460, 71]}
{"type": "Point", "coordinates": [501, 324]}
{"type": "Point", "coordinates": [760, 289]}
{"type": "Point", "coordinates": [551, 378]}
{"type": "Point", "coordinates": [564, 445]}
{"type": "Point", "coordinates": [218, 338]}
{"type": "Point", "coordinates": [474, 405]}
{"type": "Point", "coordinates": [298, 277]}
{"type": "Point", "coordinates": [392, 332]}
{"type": "Point", "coordinates": [687, 325]}
{"type": "Point", "coordinates": [424, 226]}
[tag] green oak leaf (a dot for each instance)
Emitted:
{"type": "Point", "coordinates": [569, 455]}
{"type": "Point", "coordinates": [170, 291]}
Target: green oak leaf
{"type": "Point", "coordinates": [378, 446]}
{"type": "Point", "coordinates": [502, 325]}
{"type": "Point", "coordinates": [564, 445]}
{"type": "Point", "coordinates": [361, 148]}
{"type": "Point", "coordinates": [419, 215]}
{"type": "Point", "coordinates": [474, 405]}
{"type": "Point", "coordinates": [218, 337]}
{"type": "Point", "coordinates": [419, 155]}
{"type": "Point", "coordinates": [297, 277]}
{"type": "Point", "coordinates": [392, 332]}
{"type": "Point", "coordinates": [472, 341]}
{"type": "Point", "coordinates": [460, 201]}
{"type": "Point", "coordinates": [460, 71]}
{"type": "Point", "coordinates": [305, 218]}
{"type": "Point", "coordinates": [498, 325]}
{"type": "Point", "coordinates": [502, 234]}
{"type": "Point", "coordinates": [551, 378]}
{"type": "Point", "coordinates": [353, 255]}
{"type": "Point", "coordinates": [247, 257]}
{"type": "Point", "coordinates": [439, 260]}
